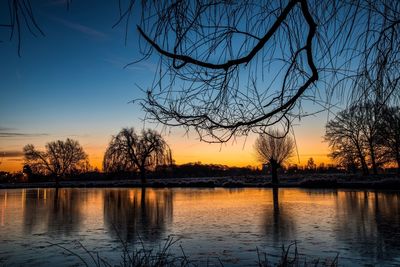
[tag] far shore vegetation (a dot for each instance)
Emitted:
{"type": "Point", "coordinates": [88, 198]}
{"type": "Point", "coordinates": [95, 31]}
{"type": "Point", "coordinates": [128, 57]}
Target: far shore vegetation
{"type": "Point", "coordinates": [197, 174]}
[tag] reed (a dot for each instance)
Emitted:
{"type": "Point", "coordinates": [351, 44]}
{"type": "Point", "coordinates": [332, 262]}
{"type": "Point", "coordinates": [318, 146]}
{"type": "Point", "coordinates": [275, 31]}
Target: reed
{"type": "Point", "coordinates": [161, 257]}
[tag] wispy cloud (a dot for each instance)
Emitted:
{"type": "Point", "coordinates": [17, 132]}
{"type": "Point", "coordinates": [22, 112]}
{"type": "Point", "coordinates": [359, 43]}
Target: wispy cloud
{"type": "Point", "coordinates": [146, 66]}
{"type": "Point", "coordinates": [75, 136]}
{"type": "Point", "coordinates": [15, 159]}
{"type": "Point", "coordinates": [5, 129]}
{"type": "Point", "coordinates": [140, 66]}
{"type": "Point", "coordinates": [14, 134]}
{"type": "Point", "coordinates": [82, 28]}
{"type": "Point", "coordinates": [6, 132]}
{"type": "Point", "coordinates": [11, 154]}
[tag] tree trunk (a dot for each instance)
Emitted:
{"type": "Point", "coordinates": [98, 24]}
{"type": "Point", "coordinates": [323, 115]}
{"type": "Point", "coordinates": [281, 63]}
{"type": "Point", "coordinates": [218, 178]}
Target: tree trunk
{"type": "Point", "coordinates": [274, 172]}
{"type": "Point", "coordinates": [373, 160]}
{"type": "Point", "coordinates": [143, 176]}
{"type": "Point", "coordinates": [364, 166]}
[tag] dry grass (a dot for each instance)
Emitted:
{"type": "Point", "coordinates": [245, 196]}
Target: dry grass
{"type": "Point", "coordinates": [143, 257]}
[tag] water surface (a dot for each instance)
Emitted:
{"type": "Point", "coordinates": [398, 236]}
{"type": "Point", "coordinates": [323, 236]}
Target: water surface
{"type": "Point", "coordinates": [229, 224]}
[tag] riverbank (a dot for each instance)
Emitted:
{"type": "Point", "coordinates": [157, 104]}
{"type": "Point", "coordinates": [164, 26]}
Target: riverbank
{"type": "Point", "coordinates": [321, 181]}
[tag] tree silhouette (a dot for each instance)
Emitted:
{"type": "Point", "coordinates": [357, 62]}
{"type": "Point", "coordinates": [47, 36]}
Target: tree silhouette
{"type": "Point", "coordinates": [59, 159]}
{"type": "Point", "coordinates": [366, 135]}
{"type": "Point", "coordinates": [311, 166]}
{"type": "Point", "coordinates": [129, 151]}
{"type": "Point", "coordinates": [345, 137]}
{"type": "Point", "coordinates": [228, 68]}
{"type": "Point", "coordinates": [274, 148]}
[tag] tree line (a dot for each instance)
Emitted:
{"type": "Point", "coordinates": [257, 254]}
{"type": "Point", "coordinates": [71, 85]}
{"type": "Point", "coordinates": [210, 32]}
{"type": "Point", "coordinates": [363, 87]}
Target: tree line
{"type": "Point", "coordinates": [364, 137]}
{"type": "Point", "coordinates": [147, 154]}
{"type": "Point", "coordinates": [126, 152]}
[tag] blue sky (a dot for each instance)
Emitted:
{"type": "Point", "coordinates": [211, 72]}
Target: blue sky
{"type": "Point", "coordinates": [72, 83]}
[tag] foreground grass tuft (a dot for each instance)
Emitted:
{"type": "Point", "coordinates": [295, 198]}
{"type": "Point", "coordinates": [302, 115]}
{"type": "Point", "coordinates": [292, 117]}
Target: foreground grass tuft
{"type": "Point", "coordinates": [162, 257]}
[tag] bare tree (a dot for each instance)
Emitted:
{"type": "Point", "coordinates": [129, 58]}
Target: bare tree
{"type": "Point", "coordinates": [357, 136]}
{"type": "Point", "coordinates": [129, 151]}
{"type": "Point", "coordinates": [378, 75]}
{"type": "Point", "coordinates": [59, 159]}
{"type": "Point", "coordinates": [345, 138]}
{"type": "Point", "coordinates": [274, 148]}
{"type": "Point", "coordinates": [227, 68]}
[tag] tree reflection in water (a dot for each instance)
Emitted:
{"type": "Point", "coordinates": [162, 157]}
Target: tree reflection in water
{"type": "Point", "coordinates": [143, 212]}
{"type": "Point", "coordinates": [278, 224]}
{"type": "Point", "coordinates": [57, 211]}
{"type": "Point", "coordinates": [371, 219]}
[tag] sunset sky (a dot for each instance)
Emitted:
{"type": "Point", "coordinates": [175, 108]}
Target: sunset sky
{"type": "Point", "coordinates": [72, 83]}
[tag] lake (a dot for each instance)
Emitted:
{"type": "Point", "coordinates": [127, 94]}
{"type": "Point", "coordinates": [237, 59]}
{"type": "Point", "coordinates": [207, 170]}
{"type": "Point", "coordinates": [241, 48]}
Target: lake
{"type": "Point", "coordinates": [209, 224]}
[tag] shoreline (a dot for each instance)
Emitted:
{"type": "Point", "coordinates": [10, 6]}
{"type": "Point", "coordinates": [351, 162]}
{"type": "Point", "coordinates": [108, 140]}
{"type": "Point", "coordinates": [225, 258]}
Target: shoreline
{"type": "Point", "coordinates": [313, 182]}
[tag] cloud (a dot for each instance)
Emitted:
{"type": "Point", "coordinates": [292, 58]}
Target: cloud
{"type": "Point", "coordinates": [128, 65]}
{"type": "Point", "coordinates": [11, 154]}
{"type": "Point", "coordinates": [77, 135]}
{"type": "Point", "coordinates": [14, 134]}
{"type": "Point", "coordinates": [6, 132]}
{"type": "Point", "coordinates": [143, 65]}
{"type": "Point", "coordinates": [6, 129]}
{"type": "Point", "coordinates": [14, 159]}
{"type": "Point", "coordinates": [82, 28]}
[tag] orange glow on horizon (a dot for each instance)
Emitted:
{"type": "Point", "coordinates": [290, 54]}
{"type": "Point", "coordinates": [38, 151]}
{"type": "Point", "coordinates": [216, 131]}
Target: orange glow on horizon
{"type": "Point", "coordinates": [238, 154]}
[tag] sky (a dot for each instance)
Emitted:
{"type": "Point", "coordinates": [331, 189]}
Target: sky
{"type": "Point", "coordinates": [72, 83]}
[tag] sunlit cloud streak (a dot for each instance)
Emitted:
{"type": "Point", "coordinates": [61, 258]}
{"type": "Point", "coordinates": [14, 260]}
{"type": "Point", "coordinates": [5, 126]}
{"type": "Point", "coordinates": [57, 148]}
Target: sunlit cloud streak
{"type": "Point", "coordinates": [6, 132]}
{"type": "Point", "coordinates": [82, 28]}
{"type": "Point", "coordinates": [13, 134]}
{"type": "Point", "coordinates": [11, 154]}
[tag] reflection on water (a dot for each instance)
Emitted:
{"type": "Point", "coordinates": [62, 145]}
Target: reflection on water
{"type": "Point", "coordinates": [128, 213]}
{"type": "Point", "coordinates": [364, 227]}
{"type": "Point", "coordinates": [56, 211]}
{"type": "Point", "coordinates": [372, 219]}
{"type": "Point", "coordinates": [278, 223]}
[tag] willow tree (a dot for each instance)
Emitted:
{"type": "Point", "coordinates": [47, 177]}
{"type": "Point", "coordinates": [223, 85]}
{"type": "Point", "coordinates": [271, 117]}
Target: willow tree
{"type": "Point", "coordinates": [130, 152]}
{"type": "Point", "coordinates": [228, 68]}
{"type": "Point", "coordinates": [274, 148]}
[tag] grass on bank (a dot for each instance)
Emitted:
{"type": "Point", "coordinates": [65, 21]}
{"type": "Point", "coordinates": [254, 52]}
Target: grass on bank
{"type": "Point", "coordinates": [162, 257]}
